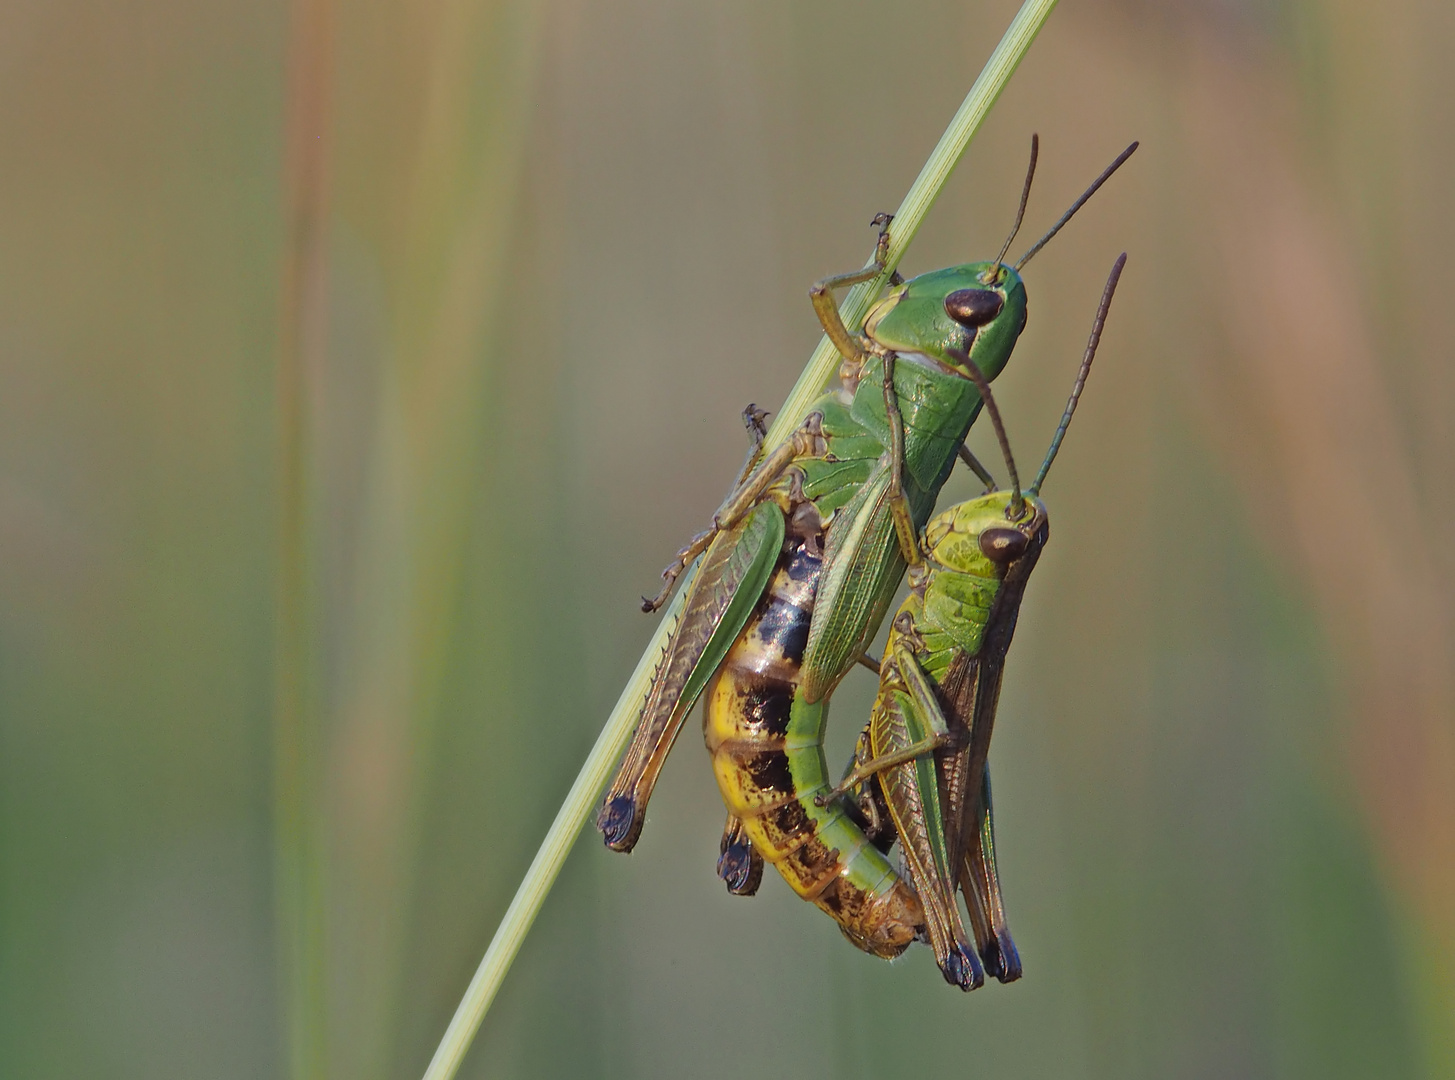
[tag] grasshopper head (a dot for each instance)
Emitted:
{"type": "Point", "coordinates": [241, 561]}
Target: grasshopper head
{"type": "Point", "coordinates": [982, 537]}
{"type": "Point", "coordinates": [977, 309]}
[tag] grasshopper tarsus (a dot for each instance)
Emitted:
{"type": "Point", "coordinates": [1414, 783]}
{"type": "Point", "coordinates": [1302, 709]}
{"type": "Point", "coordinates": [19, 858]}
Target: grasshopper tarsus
{"type": "Point", "coordinates": [962, 968]}
{"type": "Point", "coordinates": [739, 866]}
{"type": "Point", "coordinates": [1001, 959]}
{"type": "Point", "coordinates": [753, 420]}
{"type": "Point", "coordinates": [694, 548]}
{"type": "Point", "coordinates": [881, 249]}
{"type": "Point", "coordinates": [619, 822]}
{"type": "Point", "coordinates": [654, 603]}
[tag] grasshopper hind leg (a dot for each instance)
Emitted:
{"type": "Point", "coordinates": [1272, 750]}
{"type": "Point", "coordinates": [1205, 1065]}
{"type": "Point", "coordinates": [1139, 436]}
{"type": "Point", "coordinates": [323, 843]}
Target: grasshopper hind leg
{"type": "Point", "coordinates": [881, 799]}
{"type": "Point", "coordinates": [980, 882]}
{"type": "Point", "coordinates": [738, 863]}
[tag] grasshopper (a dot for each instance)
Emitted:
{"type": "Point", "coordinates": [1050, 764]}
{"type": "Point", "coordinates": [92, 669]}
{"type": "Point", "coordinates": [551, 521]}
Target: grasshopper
{"type": "Point", "coordinates": [846, 494]}
{"type": "Point", "coordinates": [922, 760]}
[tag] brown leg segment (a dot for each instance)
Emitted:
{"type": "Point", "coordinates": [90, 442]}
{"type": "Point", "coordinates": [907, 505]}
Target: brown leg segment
{"type": "Point", "coordinates": [804, 442]}
{"type": "Point", "coordinates": [822, 293]}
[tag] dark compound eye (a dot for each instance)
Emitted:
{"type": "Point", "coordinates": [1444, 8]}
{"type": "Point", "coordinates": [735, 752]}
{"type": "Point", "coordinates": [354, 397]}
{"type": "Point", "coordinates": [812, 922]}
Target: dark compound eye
{"type": "Point", "coordinates": [973, 307]}
{"type": "Point", "coordinates": [1003, 545]}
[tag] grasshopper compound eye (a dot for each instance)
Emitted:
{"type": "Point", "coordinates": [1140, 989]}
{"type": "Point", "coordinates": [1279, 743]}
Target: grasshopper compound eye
{"type": "Point", "coordinates": [973, 307]}
{"type": "Point", "coordinates": [1002, 546]}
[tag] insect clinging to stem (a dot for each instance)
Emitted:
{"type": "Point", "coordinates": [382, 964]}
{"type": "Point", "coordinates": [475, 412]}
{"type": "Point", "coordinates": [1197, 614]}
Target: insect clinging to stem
{"type": "Point", "coordinates": [803, 558]}
{"type": "Point", "coordinates": [922, 760]}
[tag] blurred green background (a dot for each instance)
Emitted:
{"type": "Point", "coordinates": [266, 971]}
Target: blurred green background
{"type": "Point", "coordinates": [362, 362]}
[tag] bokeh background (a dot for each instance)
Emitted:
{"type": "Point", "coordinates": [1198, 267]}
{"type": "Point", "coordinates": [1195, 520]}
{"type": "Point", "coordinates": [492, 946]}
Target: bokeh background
{"type": "Point", "coordinates": [361, 361]}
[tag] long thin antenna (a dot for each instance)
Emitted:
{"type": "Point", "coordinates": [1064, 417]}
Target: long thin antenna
{"type": "Point", "coordinates": [1078, 204]}
{"type": "Point", "coordinates": [1017, 503]}
{"type": "Point", "coordinates": [1025, 198]}
{"type": "Point", "coordinates": [1091, 344]}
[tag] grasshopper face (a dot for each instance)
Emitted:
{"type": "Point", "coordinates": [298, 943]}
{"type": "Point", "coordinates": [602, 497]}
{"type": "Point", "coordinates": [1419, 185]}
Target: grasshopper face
{"type": "Point", "coordinates": [979, 536]}
{"type": "Point", "coordinates": [974, 308]}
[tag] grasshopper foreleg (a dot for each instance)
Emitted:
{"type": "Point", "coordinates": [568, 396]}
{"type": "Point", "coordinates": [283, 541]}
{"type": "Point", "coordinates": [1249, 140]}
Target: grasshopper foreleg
{"type": "Point", "coordinates": [806, 441]}
{"type": "Point", "coordinates": [822, 294]}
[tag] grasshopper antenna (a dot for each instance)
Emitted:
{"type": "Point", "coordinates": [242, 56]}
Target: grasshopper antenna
{"type": "Point", "coordinates": [1077, 205]}
{"type": "Point", "coordinates": [1019, 214]}
{"type": "Point", "coordinates": [1091, 344]}
{"type": "Point", "coordinates": [1016, 509]}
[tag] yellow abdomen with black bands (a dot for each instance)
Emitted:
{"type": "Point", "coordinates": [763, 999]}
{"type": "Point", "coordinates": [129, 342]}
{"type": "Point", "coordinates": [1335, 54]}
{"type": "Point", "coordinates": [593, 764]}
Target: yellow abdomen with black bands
{"type": "Point", "coordinates": [767, 752]}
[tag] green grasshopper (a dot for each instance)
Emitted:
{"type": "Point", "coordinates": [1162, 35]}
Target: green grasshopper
{"type": "Point", "coordinates": [852, 486]}
{"type": "Point", "coordinates": [922, 759]}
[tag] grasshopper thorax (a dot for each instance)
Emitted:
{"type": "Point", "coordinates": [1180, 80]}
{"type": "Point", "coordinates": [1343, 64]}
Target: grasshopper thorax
{"type": "Point", "coordinates": [980, 537]}
{"type": "Point", "coordinates": [975, 309]}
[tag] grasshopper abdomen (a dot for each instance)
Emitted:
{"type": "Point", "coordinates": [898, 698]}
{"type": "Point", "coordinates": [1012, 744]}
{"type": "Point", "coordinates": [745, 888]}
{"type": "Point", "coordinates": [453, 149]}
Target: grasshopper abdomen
{"type": "Point", "coordinates": [766, 744]}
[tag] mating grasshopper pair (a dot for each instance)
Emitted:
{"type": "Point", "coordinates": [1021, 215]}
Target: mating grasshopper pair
{"type": "Point", "coordinates": [795, 577]}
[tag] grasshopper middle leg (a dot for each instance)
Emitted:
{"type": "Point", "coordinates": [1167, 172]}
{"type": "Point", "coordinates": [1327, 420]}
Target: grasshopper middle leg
{"type": "Point", "coordinates": [804, 442]}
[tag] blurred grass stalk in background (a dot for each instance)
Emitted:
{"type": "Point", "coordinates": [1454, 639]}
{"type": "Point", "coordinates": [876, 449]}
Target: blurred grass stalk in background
{"type": "Point", "coordinates": [358, 689]}
{"type": "Point", "coordinates": [300, 838]}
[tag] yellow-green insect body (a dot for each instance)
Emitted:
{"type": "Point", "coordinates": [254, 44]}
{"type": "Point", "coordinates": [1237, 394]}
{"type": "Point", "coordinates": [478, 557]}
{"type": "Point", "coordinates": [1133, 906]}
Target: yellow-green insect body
{"type": "Point", "coordinates": [922, 760]}
{"type": "Point", "coordinates": [939, 682]}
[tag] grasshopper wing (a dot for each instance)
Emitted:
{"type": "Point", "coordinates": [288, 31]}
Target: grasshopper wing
{"type": "Point", "coordinates": [980, 882]}
{"type": "Point", "coordinates": [862, 569]}
{"type": "Point", "coordinates": [971, 689]}
{"type": "Point", "coordinates": [735, 570]}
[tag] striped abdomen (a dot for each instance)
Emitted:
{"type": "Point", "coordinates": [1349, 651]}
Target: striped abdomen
{"type": "Point", "coordinates": [767, 749]}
